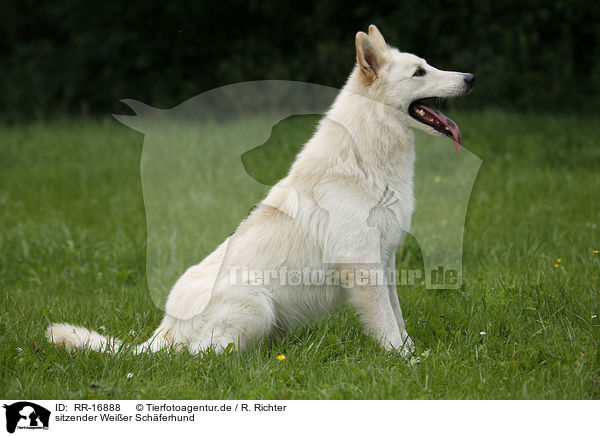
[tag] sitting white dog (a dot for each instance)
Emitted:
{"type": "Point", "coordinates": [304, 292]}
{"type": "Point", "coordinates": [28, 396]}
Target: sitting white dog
{"type": "Point", "coordinates": [361, 158]}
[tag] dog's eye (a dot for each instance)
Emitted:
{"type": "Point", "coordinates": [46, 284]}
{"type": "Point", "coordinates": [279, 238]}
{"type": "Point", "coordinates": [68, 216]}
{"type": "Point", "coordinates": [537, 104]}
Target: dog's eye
{"type": "Point", "coordinates": [420, 72]}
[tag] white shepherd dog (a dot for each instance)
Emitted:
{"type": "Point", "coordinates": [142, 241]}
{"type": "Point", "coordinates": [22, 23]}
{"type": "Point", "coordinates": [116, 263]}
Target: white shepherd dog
{"type": "Point", "coordinates": [347, 171]}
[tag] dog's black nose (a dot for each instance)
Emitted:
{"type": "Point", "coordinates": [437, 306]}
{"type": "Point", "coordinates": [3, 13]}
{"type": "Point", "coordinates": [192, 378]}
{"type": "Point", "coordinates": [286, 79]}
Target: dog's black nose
{"type": "Point", "coordinates": [470, 80]}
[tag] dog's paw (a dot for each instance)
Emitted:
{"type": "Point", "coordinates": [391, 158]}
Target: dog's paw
{"type": "Point", "coordinates": [408, 347]}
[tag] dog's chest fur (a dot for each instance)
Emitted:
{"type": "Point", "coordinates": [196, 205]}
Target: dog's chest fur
{"type": "Point", "coordinates": [361, 162]}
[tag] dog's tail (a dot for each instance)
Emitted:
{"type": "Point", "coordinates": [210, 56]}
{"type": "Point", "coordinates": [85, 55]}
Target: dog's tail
{"type": "Point", "coordinates": [71, 337]}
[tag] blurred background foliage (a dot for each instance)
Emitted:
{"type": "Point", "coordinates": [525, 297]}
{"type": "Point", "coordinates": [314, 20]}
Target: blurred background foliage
{"type": "Point", "coordinates": [77, 57]}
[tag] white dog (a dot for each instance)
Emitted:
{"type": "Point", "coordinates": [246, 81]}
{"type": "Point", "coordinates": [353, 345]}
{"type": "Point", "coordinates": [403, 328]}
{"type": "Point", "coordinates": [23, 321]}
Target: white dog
{"type": "Point", "coordinates": [345, 207]}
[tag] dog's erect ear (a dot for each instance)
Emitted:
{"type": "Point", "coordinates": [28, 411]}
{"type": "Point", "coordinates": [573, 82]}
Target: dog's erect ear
{"type": "Point", "coordinates": [368, 56]}
{"type": "Point", "coordinates": [377, 37]}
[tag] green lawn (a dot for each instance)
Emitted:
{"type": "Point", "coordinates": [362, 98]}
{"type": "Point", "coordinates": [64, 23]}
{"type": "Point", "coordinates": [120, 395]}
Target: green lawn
{"type": "Point", "coordinates": [73, 248]}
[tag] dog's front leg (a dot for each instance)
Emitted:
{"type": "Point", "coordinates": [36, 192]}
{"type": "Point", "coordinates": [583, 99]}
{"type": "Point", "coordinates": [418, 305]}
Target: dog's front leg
{"type": "Point", "coordinates": [393, 293]}
{"type": "Point", "coordinates": [374, 307]}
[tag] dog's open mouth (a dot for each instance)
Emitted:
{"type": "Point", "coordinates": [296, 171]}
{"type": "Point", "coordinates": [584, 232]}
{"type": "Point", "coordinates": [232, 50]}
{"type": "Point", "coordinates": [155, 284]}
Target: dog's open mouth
{"type": "Point", "coordinates": [435, 119]}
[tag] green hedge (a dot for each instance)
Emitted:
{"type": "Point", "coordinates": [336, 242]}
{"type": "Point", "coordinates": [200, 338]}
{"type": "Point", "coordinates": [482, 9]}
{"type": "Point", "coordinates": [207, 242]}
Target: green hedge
{"type": "Point", "coordinates": [73, 56]}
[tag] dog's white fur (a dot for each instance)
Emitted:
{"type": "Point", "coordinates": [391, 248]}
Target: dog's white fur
{"type": "Point", "coordinates": [205, 310]}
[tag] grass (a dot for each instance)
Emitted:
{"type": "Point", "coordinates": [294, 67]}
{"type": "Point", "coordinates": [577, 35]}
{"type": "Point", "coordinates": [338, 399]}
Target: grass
{"type": "Point", "coordinates": [73, 248]}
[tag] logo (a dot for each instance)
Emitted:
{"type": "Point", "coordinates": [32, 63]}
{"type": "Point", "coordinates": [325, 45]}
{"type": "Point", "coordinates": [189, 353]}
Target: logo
{"type": "Point", "coordinates": [26, 415]}
{"type": "Point", "coordinates": [209, 160]}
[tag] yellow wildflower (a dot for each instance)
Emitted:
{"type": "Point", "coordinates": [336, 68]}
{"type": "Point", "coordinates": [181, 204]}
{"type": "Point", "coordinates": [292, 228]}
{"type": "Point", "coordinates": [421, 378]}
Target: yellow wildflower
{"type": "Point", "coordinates": [281, 357]}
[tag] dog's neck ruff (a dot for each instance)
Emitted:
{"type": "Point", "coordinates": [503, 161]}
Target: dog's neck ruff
{"type": "Point", "coordinates": [383, 141]}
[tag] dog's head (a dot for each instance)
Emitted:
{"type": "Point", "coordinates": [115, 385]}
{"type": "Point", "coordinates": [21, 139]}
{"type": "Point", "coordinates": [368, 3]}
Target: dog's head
{"type": "Point", "coordinates": [403, 81]}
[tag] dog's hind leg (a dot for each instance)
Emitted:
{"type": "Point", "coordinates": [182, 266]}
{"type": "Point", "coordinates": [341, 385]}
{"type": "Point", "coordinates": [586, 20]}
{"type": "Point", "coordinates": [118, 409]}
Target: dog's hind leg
{"type": "Point", "coordinates": [239, 316]}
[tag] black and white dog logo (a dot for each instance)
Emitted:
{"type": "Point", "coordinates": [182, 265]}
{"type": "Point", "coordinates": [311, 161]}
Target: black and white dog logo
{"type": "Point", "coordinates": [26, 415]}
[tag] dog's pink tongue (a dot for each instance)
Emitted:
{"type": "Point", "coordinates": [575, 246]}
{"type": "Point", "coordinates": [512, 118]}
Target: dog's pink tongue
{"type": "Point", "coordinates": [439, 119]}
